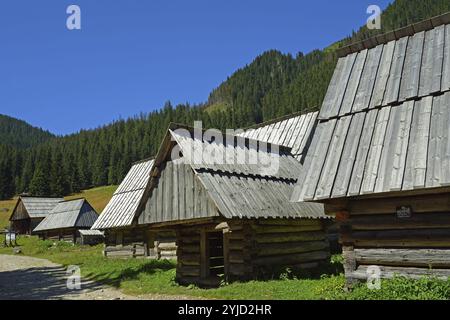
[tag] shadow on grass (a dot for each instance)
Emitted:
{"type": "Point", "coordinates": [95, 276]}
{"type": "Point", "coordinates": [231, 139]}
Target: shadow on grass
{"type": "Point", "coordinates": [131, 272]}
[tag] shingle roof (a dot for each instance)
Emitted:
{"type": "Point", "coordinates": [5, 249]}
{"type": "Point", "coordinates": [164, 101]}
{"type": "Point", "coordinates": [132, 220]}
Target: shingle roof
{"type": "Point", "coordinates": [69, 214]}
{"type": "Point", "coordinates": [293, 131]}
{"type": "Point", "coordinates": [384, 121]}
{"type": "Point", "coordinates": [242, 190]}
{"type": "Point", "coordinates": [39, 207]}
{"type": "Point", "coordinates": [121, 209]}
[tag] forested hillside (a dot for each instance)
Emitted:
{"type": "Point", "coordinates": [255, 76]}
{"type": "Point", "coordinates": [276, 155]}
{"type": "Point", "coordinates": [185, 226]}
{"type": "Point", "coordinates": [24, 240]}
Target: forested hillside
{"type": "Point", "coordinates": [18, 133]}
{"type": "Point", "coordinates": [274, 84]}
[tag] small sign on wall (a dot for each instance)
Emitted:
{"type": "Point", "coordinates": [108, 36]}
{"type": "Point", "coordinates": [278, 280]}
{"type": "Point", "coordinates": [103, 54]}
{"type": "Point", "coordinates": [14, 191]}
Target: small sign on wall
{"type": "Point", "coordinates": [404, 212]}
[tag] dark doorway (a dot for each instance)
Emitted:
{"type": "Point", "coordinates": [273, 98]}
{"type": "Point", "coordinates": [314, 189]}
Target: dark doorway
{"type": "Point", "coordinates": [215, 253]}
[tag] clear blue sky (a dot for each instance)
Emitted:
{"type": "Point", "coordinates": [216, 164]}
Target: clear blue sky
{"type": "Point", "coordinates": [133, 55]}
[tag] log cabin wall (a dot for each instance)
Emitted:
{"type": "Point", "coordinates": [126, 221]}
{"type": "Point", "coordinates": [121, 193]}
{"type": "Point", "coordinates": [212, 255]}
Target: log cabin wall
{"type": "Point", "coordinates": [136, 242]}
{"type": "Point", "coordinates": [412, 242]}
{"type": "Point", "coordinates": [251, 249]}
{"type": "Point", "coordinates": [67, 235]}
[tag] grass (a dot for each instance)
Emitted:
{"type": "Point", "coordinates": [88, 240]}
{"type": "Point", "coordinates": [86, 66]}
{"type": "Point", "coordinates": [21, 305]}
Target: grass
{"type": "Point", "coordinates": [97, 197]}
{"type": "Point", "coordinates": [141, 276]}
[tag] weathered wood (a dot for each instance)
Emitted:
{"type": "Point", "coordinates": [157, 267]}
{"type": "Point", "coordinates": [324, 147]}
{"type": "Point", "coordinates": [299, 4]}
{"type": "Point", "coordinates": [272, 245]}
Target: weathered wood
{"type": "Point", "coordinates": [336, 90]}
{"type": "Point", "coordinates": [412, 273]}
{"type": "Point", "coordinates": [411, 73]}
{"type": "Point", "coordinates": [395, 74]}
{"type": "Point", "coordinates": [348, 254]}
{"type": "Point", "coordinates": [419, 204]}
{"type": "Point", "coordinates": [353, 83]}
{"type": "Point", "coordinates": [285, 229]}
{"type": "Point", "coordinates": [367, 82]}
{"type": "Point", "coordinates": [395, 146]}
{"type": "Point", "coordinates": [445, 85]}
{"type": "Point", "coordinates": [390, 222]}
{"type": "Point", "coordinates": [429, 258]}
{"type": "Point", "coordinates": [374, 155]}
{"type": "Point", "coordinates": [382, 75]}
{"type": "Point", "coordinates": [344, 171]}
{"type": "Point", "coordinates": [291, 259]}
{"type": "Point", "coordinates": [291, 248]}
{"type": "Point", "coordinates": [288, 237]}
{"type": "Point", "coordinates": [326, 181]}
{"type": "Point", "coordinates": [416, 161]}
{"type": "Point", "coordinates": [361, 156]}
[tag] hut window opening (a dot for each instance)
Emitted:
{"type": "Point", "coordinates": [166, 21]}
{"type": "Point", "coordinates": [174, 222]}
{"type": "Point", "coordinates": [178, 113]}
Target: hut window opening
{"type": "Point", "coordinates": [215, 253]}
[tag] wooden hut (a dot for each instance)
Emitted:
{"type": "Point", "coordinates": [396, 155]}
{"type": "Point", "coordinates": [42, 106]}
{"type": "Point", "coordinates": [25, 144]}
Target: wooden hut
{"type": "Point", "coordinates": [123, 238]}
{"type": "Point", "coordinates": [29, 212]}
{"type": "Point", "coordinates": [380, 155]}
{"type": "Point", "coordinates": [91, 237]}
{"type": "Point", "coordinates": [65, 220]}
{"type": "Point", "coordinates": [231, 218]}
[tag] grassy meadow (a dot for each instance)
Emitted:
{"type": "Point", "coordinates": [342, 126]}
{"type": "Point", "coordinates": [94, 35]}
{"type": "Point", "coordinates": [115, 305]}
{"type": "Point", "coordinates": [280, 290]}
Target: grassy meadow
{"type": "Point", "coordinates": [145, 276]}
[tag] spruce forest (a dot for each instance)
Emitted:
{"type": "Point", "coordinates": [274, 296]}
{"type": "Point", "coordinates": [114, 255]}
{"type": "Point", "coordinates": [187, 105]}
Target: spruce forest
{"type": "Point", "coordinates": [39, 163]}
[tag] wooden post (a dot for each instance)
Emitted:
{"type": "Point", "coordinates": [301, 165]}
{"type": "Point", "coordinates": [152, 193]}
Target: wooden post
{"type": "Point", "coordinates": [348, 254]}
{"type": "Point", "coordinates": [203, 254]}
{"type": "Point", "coordinates": [226, 253]}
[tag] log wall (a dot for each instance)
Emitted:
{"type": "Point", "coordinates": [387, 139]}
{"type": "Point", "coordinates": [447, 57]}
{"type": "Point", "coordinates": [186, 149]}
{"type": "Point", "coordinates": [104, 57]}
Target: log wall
{"type": "Point", "coordinates": [373, 235]}
{"type": "Point", "coordinates": [252, 249]}
{"type": "Point", "coordinates": [138, 243]}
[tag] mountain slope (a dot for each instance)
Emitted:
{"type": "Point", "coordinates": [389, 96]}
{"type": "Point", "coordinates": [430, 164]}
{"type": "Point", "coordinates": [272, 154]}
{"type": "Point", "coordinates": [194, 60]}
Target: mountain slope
{"type": "Point", "coordinates": [274, 84]}
{"type": "Point", "coordinates": [19, 134]}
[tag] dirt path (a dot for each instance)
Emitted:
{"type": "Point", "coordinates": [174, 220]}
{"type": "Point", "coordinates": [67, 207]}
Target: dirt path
{"type": "Point", "coordinates": [30, 278]}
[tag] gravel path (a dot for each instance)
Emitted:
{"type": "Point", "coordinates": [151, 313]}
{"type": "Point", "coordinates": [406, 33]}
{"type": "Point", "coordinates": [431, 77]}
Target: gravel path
{"type": "Point", "coordinates": [28, 278]}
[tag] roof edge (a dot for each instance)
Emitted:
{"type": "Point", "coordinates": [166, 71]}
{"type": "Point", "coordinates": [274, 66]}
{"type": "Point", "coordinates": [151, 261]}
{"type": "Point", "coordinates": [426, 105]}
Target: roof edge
{"type": "Point", "coordinates": [282, 118]}
{"type": "Point", "coordinates": [409, 30]}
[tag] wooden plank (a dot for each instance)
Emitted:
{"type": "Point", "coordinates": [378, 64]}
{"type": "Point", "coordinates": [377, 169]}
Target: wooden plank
{"type": "Point", "coordinates": [181, 191]}
{"type": "Point", "coordinates": [174, 191]}
{"type": "Point", "coordinates": [345, 168]}
{"type": "Point", "coordinates": [411, 273]}
{"type": "Point", "coordinates": [409, 87]}
{"type": "Point", "coordinates": [433, 55]}
{"type": "Point", "coordinates": [366, 85]}
{"type": "Point", "coordinates": [348, 158]}
{"type": "Point", "coordinates": [438, 59]}
{"type": "Point", "coordinates": [168, 187]}
{"type": "Point", "coordinates": [290, 237]}
{"type": "Point", "coordinates": [416, 161]}
{"type": "Point", "coordinates": [438, 170]}
{"type": "Point", "coordinates": [329, 170]}
{"type": "Point", "coordinates": [395, 74]}
{"type": "Point", "coordinates": [189, 181]}
{"type": "Point", "coordinates": [376, 148]}
{"type": "Point", "coordinates": [392, 222]}
{"type": "Point", "coordinates": [393, 157]}
{"type": "Point", "coordinates": [290, 248]}
{"type": "Point", "coordinates": [203, 254]}
{"type": "Point", "coordinates": [316, 160]}
{"type": "Point", "coordinates": [382, 75]}
{"type": "Point", "coordinates": [335, 94]}
{"type": "Point", "coordinates": [445, 85]}
{"type": "Point", "coordinates": [363, 150]}
{"type": "Point", "coordinates": [353, 83]}
{"type": "Point", "coordinates": [291, 259]}
{"type": "Point", "coordinates": [419, 204]}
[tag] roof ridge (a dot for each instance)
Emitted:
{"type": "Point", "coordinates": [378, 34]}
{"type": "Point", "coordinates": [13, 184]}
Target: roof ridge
{"type": "Point", "coordinates": [409, 30]}
{"type": "Point", "coordinates": [143, 160]}
{"type": "Point", "coordinates": [282, 118]}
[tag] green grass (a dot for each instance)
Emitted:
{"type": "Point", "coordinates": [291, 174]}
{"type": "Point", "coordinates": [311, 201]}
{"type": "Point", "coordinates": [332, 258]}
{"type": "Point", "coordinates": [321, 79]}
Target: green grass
{"type": "Point", "coordinates": [97, 197]}
{"type": "Point", "coordinates": [140, 277]}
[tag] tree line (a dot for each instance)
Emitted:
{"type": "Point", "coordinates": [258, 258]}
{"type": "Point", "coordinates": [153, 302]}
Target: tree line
{"type": "Point", "coordinates": [275, 84]}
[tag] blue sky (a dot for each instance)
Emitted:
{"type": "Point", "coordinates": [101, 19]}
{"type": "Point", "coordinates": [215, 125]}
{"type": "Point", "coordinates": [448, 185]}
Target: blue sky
{"type": "Point", "coordinates": [133, 55]}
